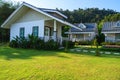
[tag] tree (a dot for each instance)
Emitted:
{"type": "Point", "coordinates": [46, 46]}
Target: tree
{"type": "Point", "coordinates": [87, 15]}
{"type": "Point", "coordinates": [6, 8]}
{"type": "Point", "coordinates": [96, 43]}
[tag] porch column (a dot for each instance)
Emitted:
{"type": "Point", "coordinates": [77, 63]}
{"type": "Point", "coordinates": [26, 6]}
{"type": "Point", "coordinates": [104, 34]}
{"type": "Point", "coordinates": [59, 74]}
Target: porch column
{"type": "Point", "coordinates": [55, 31]}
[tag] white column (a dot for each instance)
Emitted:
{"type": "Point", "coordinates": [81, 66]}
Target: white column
{"type": "Point", "coordinates": [55, 31]}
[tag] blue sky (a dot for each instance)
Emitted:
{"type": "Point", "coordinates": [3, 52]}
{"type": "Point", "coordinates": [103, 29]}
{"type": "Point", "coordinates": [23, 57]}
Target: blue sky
{"type": "Point", "coordinates": [75, 4]}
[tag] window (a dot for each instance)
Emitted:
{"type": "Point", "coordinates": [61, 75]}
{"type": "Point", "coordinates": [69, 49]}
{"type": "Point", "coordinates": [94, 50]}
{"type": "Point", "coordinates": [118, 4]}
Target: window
{"type": "Point", "coordinates": [22, 31]}
{"type": "Point", "coordinates": [35, 31]}
{"type": "Point", "coordinates": [47, 31]}
{"type": "Point", "coordinates": [82, 25]}
{"type": "Point", "coordinates": [118, 24]}
{"type": "Point", "coordinates": [117, 35]}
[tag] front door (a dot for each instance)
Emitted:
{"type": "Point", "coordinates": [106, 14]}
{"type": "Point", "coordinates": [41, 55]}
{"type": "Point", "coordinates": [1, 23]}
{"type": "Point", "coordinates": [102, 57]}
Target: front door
{"type": "Point", "coordinates": [47, 33]}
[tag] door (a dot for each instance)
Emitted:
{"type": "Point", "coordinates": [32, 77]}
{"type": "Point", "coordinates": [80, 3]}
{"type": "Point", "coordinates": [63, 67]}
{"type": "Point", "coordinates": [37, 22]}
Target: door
{"type": "Point", "coordinates": [47, 33]}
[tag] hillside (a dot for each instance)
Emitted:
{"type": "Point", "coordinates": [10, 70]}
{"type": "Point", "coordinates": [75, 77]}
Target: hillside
{"type": "Point", "coordinates": [88, 15]}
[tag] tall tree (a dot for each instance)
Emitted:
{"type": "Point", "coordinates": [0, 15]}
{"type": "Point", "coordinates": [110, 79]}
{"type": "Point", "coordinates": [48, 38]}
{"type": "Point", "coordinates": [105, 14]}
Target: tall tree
{"type": "Point", "coordinates": [6, 8]}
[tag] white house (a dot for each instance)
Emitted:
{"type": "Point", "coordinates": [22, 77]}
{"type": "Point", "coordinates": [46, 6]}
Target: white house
{"type": "Point", "coordinates": [44, 23]}
{"type": "Point", "coordinates": [88, 33]}
{"type": "Point", "coordinates": [111, 31]}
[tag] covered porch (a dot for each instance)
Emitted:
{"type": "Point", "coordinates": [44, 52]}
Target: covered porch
{"type": "Point", "coordinates": [74, 36]}
{"type": "Point", "coordinates": [53, 30]}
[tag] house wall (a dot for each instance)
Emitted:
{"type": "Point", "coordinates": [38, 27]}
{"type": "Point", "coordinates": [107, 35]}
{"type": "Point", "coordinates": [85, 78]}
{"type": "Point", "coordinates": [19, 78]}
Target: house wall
{"type": "Point", "coordinates": [110, 37]}
{"type": "Point", "coordinates": [82, 37]}
{"type": "Point", "coordinates": [31, 15]}
{"type": "Point", "coordinates": [15, 28]}
{"type": "Point", "coordinates": [28, 19]}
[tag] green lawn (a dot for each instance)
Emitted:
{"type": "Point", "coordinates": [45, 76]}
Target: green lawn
{"type": "Point", "coordinates": [21, 64]}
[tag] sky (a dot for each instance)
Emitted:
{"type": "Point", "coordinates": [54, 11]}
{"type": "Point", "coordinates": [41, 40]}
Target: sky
{"type": "Point", "coordinates": [75, 4]}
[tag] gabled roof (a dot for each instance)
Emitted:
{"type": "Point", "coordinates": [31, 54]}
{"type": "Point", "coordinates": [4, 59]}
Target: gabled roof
{"type": "Point", "coordinates": [53, 10]}
{"type": "Point", "coordinates": [111, 27]}
{"type": "Point", "coordinates": [38, 10]}
{"type": "Point", "coordinates": [89, 27]}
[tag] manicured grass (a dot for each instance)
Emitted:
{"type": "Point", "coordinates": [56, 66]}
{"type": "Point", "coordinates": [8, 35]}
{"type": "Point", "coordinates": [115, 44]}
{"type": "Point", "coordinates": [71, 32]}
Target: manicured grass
{"type": "Point", "coordinates": [21, 64]}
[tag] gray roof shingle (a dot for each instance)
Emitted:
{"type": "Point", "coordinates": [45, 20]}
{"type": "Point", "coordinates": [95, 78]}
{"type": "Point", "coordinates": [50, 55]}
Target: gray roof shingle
{"type": "Point", "coordinates": [90, 27]}
{"type": "Point", "coordinates": [110, 26]}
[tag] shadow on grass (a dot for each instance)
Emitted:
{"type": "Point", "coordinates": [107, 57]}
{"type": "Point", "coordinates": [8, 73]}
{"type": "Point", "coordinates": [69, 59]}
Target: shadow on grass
{"type": "Point", "coordinates": [13, 53]}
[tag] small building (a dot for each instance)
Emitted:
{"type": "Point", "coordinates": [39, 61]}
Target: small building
{"type": "Point", "coordinates": [88, 33]}
{"type": "Point", "coordinates": [44, 23]}
{"type": "Point", "coordinates": [111, 30]}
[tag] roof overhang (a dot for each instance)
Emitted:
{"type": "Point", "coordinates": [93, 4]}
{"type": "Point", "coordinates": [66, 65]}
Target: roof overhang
{"type": "Point", "coordinates": [79, 32]}
{"type": "Point", "coordinates": [40, 11]}
{"type": "Point", "coordinates": [112, 32]}
{"type": "Point", "coordinates": [57, 13]}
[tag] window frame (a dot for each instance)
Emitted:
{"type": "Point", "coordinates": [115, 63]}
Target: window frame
{"type": "Point", "coordinates": [35, 31]}
{"type": "Point", "coordinates": [22, 34]}
{"type": "Point", "coordinates": [47, 31]}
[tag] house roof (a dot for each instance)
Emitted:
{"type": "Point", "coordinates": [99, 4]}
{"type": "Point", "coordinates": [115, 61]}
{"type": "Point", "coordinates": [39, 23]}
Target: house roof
{"type": "Point", "coordinates": [111, 27]}
{"type": "Point", "coordinates": [53, 10]}
{"type": "Point", "coordinates": [89, 27]}
{"type": "Point", "coordinates": [40, 10]}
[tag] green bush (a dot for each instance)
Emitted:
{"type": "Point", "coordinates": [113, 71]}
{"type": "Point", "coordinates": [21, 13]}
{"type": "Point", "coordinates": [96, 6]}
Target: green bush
{"type": "Point", "coordinates": [108, 43]}
{"type": "Point", "coordinates": [69, 44]}
{"type": "Point", "coordinates": [51, 45]}
{"type": "Point", "coordinates": [110, 49]}
{"type": "Point", "coordinates": [34, 43]}
{"type": "Point", "coordinates": [85, 42]}
{"type": "Point", "coordinates": [15, 42]}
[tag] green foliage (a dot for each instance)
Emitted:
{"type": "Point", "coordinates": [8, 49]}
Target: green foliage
{"type": "Point", "coordinates": [84, 42]}
{"type": "Point", "coordinates": [111, 43]}
{"type": "Point", "coordinates": [68, 44]}
{"type": "Point", "coordinates": [110, 49]}
{"type": "Point", "coordinates": [87, 15]}
{"type": "Point", "coordinates": [65, 29]}
{"type": "Point", "coordinates": [30, 64]}
{"type": "Point", "coordinates": [51, 45]}
{"type": "Point", "coordinates": [96, 43]}
{"type": "Point", "coordinates": [6, 8]}
{"type": "Point", "coordinates": [33, 42]}
{"type": "Point", "coordinates": [112, 17]}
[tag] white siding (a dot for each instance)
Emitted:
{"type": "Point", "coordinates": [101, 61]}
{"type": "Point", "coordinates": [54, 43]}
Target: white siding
{"type": "Point", "coordinates": [110, 37]}
{"type": "Point", "coordinates": [15, 28]}
{"type": "Point", "coordinates": [32, 15]}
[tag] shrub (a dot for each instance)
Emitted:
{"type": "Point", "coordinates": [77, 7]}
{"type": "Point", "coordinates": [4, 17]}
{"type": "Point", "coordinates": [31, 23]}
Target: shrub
{"type": "Point", "coordinates": [108, 43]}
{"type": "Point", "coordinates": [33, 42]}
{"type": "Point", "coordinates": [15, 42]}
{"type": "Point", "coordinates": [23, 42]}
{"type": "Point", "coordinates": [70, 44]}
{"type": "Point", "coordinates": [51, 45]}
{"type": "Point", "coordinates": [110, 49]}
{"type": "Point", "coordinates": [85, 42]}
